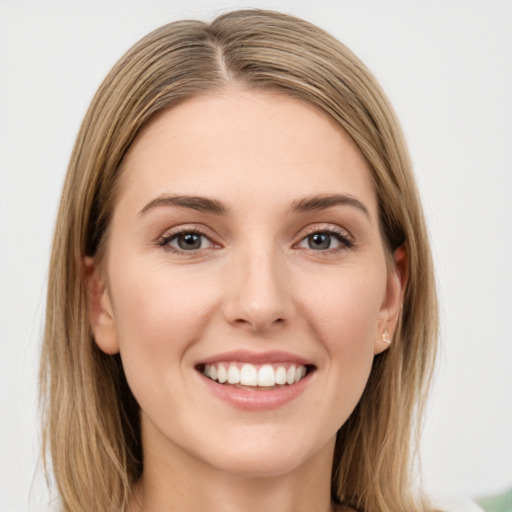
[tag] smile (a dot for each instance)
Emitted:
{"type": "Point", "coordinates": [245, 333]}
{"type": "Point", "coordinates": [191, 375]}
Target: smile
{"type": "Point", "coordinates": [255, 375]}
{"type": "Point", "coordinates": [256, 381]}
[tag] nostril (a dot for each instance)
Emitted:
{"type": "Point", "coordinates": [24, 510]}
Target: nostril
{"type": "Point", "coordinates": [258, 323]}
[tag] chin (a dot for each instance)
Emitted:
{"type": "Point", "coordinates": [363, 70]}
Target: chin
{"type": "Point", "coordinates": [280, 455]}
{"type": "Point", "coordinates": [260, 465]}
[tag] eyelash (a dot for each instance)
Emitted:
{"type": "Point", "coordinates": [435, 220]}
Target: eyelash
{"type": "Point", "coordinates": [166, 239]}
{"type": "Point", "coordinates": [346, 242]}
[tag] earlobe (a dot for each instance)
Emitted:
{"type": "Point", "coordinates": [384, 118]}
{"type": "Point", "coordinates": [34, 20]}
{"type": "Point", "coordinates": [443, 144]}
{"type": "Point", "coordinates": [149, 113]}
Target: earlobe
{"type": "Point", "coordinates": [99, 308]}
{"type": "Point", "coordinates": [395, 289]}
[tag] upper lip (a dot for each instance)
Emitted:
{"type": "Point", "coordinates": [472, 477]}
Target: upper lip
{"type": "Point", "coordinates": [245, 356]}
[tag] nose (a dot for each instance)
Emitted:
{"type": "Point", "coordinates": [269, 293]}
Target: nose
{"type": "Point", "coordinates": [258, 294]}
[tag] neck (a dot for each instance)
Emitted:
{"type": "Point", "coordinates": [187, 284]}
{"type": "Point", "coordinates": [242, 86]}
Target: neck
{"type": "Point", "coordinates": [175, 480]}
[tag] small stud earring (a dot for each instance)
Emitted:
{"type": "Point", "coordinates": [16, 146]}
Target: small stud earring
{"type": "Point", "coordinates": [386, 338]}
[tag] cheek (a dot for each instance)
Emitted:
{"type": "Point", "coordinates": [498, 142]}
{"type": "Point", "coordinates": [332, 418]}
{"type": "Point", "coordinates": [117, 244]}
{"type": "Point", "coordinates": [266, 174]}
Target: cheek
{"type": "Point", "coordinates": [345, 317]}
{"type": "Point", "coordinates": [159, 313]}
{"type": "Point", "coordinates": [345, 305]}
{"type": "Point", "coordinates": [153, 303]}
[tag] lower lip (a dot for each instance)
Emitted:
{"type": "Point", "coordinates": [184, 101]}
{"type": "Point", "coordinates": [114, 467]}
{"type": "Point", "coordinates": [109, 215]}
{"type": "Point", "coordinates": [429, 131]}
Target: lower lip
{"type": "Point", "coordinates": [258, 399]}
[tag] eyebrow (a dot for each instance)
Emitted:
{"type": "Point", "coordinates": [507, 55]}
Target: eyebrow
{"type": "Point", "coordinates": [200, 204]}
{"type": "Point", "coordinates": [208, 205]}
{"type": "Point", "coordinates": [322, 202]}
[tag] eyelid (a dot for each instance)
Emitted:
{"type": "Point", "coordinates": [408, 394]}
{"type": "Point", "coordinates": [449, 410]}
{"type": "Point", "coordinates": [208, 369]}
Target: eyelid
{"type": "Point", "coordinates": [173, 233]}
{"type": "Point", "coordinates": [327, 228]}
{"type": "Point", "coordinates": [344, 236]}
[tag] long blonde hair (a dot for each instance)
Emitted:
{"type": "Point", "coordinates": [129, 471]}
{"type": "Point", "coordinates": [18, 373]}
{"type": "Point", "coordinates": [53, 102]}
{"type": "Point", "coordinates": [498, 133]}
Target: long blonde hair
{"type": "Point", "coordinates": [91, 420]}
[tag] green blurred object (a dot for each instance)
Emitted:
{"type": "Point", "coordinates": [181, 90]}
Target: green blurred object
{"type": "Point", "coordinates": [500, 503]}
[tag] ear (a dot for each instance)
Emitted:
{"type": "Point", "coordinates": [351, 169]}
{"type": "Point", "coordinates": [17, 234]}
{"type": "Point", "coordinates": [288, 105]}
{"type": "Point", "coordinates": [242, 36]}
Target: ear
{"type": "Point", "coordinates": [99, 308]}
{"type": "Point", "coordinates": [398, 274]}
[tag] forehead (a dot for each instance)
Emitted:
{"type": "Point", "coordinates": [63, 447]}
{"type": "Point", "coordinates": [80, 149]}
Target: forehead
{"type": "Point", "coordinates": [245, 147]}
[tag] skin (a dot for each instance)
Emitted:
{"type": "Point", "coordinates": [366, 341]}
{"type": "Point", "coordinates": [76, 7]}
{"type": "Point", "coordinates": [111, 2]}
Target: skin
{"type": "Point", "coordinates": [255, 284]}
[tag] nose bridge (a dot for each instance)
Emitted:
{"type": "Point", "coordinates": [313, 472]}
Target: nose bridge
{"type": "Point", "coordinates": [258, 293]}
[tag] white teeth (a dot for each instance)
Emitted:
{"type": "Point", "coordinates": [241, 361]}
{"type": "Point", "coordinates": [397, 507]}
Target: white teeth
{"type": "Point", "coordinates": [222, 374]}
{"type": "Point", "coordinates": [290, 375]}
{"type": "Point", "coordinates": [281, 375]}
{"type": "Point", "coordinates": [233, 374]}
{"type": "Point", "coordinates": [249, 375]}
{"type": "Point", "coordinates": [266, 376]}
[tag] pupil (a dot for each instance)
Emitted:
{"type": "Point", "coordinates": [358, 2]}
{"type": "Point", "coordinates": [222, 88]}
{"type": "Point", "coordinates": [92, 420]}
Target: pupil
{"type": "Point", "coordinates": [319, 241]}
{"type": "Point", "coordinates": [189, 241]}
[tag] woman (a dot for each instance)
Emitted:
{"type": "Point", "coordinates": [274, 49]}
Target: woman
{"type": "Point", "coordinates": [241, 309]}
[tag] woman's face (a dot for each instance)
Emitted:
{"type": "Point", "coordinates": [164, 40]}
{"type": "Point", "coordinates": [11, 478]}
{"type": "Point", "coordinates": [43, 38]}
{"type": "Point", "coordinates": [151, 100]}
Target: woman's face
{"type": "Point", "coordinates": [244, 244]}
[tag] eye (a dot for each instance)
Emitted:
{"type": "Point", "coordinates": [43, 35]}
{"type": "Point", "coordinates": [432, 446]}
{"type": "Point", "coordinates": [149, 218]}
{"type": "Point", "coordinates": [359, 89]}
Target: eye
{"type": "Point", "coordinates": [326, 240]}
{"type": "Point", "coordinates": [186, 241]}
